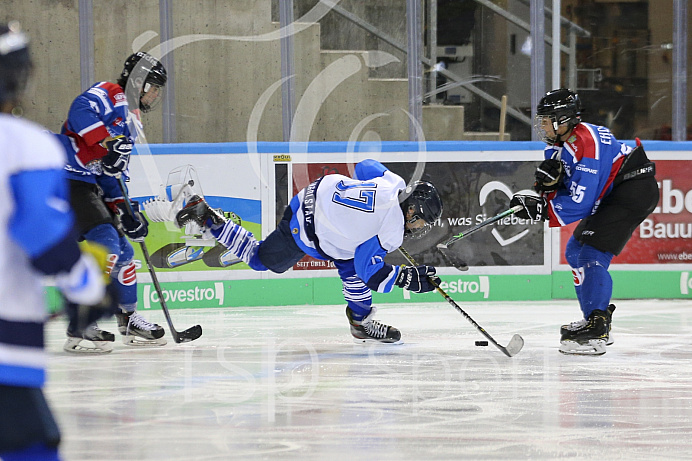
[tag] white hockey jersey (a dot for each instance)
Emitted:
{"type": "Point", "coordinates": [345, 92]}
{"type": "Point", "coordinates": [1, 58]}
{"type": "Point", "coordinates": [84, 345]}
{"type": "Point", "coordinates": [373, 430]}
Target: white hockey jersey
{"type": "Point", "coordinates": [339, 218]}
{"type": "Point", "coordinates": [34, 216]}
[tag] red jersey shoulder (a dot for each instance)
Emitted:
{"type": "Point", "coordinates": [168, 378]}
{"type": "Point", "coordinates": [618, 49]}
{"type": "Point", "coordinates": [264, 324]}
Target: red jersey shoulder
{"type": "Point", "coordinates": [115, 92]}
{"type": "Point", "coordinates": [582, 143]}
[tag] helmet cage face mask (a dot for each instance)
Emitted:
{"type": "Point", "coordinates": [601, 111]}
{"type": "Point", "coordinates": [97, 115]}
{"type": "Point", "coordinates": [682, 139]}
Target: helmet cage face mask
{"type": "Point", "coordinates": [151, 96]}
{"type": "Point", "coordinates": [416, 227]}
{"type": "Point", "coordinates": [540, 122]}
{"type": "Point", "coordinates": [422, 206]}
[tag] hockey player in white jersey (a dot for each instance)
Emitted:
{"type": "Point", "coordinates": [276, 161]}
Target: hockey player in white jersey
{"type": "Point", "coordinates": [36, 238]}
{"type": "Point", "coordinates": [352, 222]}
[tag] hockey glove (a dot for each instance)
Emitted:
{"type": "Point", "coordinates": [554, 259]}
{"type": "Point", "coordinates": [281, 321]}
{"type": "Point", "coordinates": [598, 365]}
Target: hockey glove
{"type": "Point", "coordinates": [535, 208]}
{"type": "Point", "coordinates": [548, 175]}
{"type": "Point", "coordinates": [136, 226]}
{"type": "Point", "coordinates": [418, 279]}
{"type": "Point", "coordinates": [118, 156]}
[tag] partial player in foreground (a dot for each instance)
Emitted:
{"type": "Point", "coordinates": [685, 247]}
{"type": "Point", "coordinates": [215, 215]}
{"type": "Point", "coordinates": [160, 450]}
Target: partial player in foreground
{"type": "Point", "coordinates": [36, 237]}
{"type": "Point", "coordinates": [352, 222]}
{"type": "Point", "coordinates": [588, 175]}
{"type": "Point", "coordinates": [98, 136]}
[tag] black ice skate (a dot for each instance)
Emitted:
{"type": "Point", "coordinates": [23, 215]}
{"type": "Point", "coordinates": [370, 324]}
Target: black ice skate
{"type": "Point", "coordinates": [564, 329]}
{"type": "Point", "coordinates": [198, 210]}
{"type": "Point", "coordinates": [137, 331]}
{"type": "Point", "coordinates": [590, 338]}
{"type": "Point", "coordinates": [91, 340]}
{"type": "Point", "coordinates": [370, 330]}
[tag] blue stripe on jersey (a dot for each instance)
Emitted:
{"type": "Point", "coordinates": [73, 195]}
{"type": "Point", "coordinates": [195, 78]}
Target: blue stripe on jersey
{"type": "Point", "coordinates": [371, 268]}
{"type": "Point", "coordinates": [12, 375]}
{"type": "Point", "coordinates": [295, 224]}
{"type": "Point", "coordinates": [42, 215]}
{"type": "Point", "coordinates": [29, 334]}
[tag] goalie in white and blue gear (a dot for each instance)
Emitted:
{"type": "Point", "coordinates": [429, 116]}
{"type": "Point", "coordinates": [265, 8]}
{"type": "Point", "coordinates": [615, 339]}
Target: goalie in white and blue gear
{"type": "Point", "coordinates": [352, 222]}
{"type": "Point", "coordinates": [37, 241]}
{"type": "Point", "coordinates": [99, 135]}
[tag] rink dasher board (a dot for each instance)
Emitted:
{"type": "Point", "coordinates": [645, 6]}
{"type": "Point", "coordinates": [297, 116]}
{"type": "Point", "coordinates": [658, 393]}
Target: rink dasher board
{"type": "Point", "coordinates": [511, 260]}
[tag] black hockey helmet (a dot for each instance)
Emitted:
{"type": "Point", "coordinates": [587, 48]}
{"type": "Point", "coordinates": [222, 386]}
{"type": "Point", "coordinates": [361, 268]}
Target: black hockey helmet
{"type": "Point", "coordinates": [558, 107]}
{"type": "Point", "coordinates": [422, 206]}
{"type": "Point", "coordinates": [141, 74]}
{"type": "Point", "coordinates": [15, 63]}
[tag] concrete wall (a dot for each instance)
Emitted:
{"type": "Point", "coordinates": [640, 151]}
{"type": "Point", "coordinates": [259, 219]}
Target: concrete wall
{"type": "Point", "coordinates": [226, 59]}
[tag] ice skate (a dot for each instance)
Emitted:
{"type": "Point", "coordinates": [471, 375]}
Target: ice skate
{"type": "Point", "coordinates": [92, 340]}
{"type": "Point", "coordinates": [564, 329]}
{"type": "Point", "coordinates": [590, 338]}
{"type": "Point", "coordinates": [197, 210]}
{"type": "Point", "coordinates": [370, 330]}
{"type": "Point", "coordinates": [137, 331]}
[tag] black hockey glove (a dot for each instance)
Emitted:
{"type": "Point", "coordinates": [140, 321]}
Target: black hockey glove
{"type": "Point", "coordinates": [135, 227]}
{"type": "Point", "coordinates": [118, 156]}
{"type": "Point", "coordinates": [419, 279]}
{"type": "Point", "coordinates": [535, 208]}
{"type": "Point", "coordinates": [548, 175]}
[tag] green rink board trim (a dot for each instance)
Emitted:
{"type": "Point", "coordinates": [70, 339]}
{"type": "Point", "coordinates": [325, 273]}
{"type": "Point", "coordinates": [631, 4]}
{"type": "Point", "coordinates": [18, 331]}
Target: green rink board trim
{"type": "Point", "coordinates": [464, 288]}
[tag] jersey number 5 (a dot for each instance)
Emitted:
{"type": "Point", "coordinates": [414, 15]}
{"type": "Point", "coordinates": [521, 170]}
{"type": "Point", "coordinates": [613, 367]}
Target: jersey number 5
{"type": "Point", "coordinates": [366, 196]}
{"type": "Point", "coordinates": [577, 192]}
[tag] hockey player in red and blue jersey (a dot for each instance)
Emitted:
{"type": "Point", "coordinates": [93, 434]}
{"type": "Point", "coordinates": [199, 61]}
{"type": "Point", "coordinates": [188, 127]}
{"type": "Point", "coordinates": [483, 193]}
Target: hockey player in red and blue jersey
{"type": "Point", "coordinates": [588, 175]}
{"type": "Point", "coordinates": [99, 133]}
{"type": "Point", "coordinates": [353, 222]}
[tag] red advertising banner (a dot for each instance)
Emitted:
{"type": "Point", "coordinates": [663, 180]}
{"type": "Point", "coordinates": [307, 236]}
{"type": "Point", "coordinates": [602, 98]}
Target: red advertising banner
{"type": "Point", "coordinates": [665, 237]}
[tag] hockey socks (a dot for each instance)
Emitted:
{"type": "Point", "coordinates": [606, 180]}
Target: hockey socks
{"type": "Point", "coordinates": [239, 240]}
{"type": "Point", "coordinates": [358, 297]}
{"type": "Point", "coordinates": [597, 284]}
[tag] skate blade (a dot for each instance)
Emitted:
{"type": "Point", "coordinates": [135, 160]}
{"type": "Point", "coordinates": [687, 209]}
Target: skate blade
{"type": "Point", "coordinates": [136, 341]}
{"type": "Point", "coordinates": [375, 341]}
{"type": "Point", "coordinates": [76, 346]}
{"type": "Point", "coordinates": [592, 347]}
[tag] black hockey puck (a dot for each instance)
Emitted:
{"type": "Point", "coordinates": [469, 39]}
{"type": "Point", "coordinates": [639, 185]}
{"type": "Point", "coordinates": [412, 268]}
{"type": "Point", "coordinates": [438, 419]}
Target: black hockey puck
{"type": "Point", "coordinates": [481, 343]}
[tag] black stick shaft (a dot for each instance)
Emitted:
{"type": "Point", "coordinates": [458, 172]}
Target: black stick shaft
{"type": "Point", "coordinates": [155, 280]}
{"type": "Point", "coordinates": [479, 226]}
{"type": "Point", "coordinates": [507, 352]}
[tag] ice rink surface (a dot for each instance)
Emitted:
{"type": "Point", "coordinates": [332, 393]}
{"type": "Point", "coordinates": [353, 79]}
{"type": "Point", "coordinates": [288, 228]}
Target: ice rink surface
{"type": "Point", "coordinates": [288, 383]}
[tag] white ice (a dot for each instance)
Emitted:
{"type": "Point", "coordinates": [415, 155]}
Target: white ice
{"type": "Point", "coordinates": [288, 383]}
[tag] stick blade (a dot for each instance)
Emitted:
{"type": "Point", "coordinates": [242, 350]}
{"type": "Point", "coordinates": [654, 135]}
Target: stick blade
{"type": "Point", "coordinates": [452, 259]}
{"type": "Point", "coordinates": [515, 345]}
{"type": "Point", "coordinates": [188, 335]}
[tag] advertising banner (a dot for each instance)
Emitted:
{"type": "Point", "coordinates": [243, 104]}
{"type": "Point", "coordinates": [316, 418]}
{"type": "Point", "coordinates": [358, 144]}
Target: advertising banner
{"type": "Point", "coordinates": [471, 192]}
{"type": "Point", "coordinates": [665, 237]}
